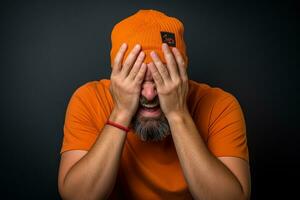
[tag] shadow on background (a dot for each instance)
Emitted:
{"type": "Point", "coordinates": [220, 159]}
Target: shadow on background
{"type": "Point", "coordinates": [48, 49]}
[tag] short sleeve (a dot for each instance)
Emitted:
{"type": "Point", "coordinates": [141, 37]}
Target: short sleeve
{"type": "Point", "coordinates": [80, 131]}
{"type": "Point", "coordinates": [227, 129]}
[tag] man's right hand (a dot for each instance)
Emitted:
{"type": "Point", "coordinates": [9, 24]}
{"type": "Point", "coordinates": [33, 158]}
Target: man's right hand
{"type": "Point", "coordinates": [126, 80]}
{"type": "Point", "coordinates": [102, 169]}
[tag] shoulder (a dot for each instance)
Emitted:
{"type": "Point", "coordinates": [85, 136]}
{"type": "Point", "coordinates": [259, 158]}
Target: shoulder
{"type": "Point", "coordinates": [92, 102]}
{"type": "Point", "coordinates": [93, 96]}
{"type": "Point", "coordinates": [92, 87]}
{"type": "Point", "coordinates": [213, 107]}
{"type": "Point", "coordinates": [204, 95]}
{"type": "Point", "coordinates": [207, 103]}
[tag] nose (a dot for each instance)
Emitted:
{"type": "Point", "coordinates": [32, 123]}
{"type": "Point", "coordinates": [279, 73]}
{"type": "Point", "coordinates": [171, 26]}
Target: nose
{"type": "Point", "coordinates": [149, 90]}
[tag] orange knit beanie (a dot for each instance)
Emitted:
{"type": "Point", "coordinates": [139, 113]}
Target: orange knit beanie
{"type": "Point", "coordinates": [149, 28]}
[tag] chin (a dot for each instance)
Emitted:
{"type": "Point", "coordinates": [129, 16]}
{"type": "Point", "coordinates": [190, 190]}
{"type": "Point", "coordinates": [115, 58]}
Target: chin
{"type": "Point", "coordinates": [151, 127]}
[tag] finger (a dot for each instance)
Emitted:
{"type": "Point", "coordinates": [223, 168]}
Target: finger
{"type": "Point", "coordinates": [163, 71]}
{"type": "Point", "coordinates": [136, 67]}
{"type": "Point", "coordinates": [118, 58]}
{"type": "Point", "coordinates": [155, 74]}
{"type": "Point", "coordinates": [141, 73]}
{"type": "Point", "coordinates": [130, 59]}
{"type": "Point", "coordinates": [171, 62]}
{"type": "Point", "coordinates": [181, 63]}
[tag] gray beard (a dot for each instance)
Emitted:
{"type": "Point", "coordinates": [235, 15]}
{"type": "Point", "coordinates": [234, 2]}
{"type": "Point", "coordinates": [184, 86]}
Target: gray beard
{"type": "Point", "coordinates": [151, 129]}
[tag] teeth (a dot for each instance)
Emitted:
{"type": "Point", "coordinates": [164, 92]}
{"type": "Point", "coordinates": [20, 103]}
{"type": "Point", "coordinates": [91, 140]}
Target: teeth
{"type": "Point", "coordinates": [150, 105]}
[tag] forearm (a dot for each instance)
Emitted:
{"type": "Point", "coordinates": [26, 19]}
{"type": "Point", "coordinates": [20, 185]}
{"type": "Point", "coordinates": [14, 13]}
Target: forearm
{"type": "Point", "coordinates": [93, 177]}
{"type": "Point", "coordinates": [206, 176]}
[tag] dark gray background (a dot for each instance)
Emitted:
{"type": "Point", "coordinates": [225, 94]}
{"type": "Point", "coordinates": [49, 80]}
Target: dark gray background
{"type": "Point", "coordinates": [48, 49]}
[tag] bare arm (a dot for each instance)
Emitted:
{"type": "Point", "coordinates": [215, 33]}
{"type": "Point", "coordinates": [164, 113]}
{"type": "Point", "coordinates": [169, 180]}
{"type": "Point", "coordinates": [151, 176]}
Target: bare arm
{"type": "Point", "coordinates": [207, 176]}
{"type": "Point", "coordinates": [94, 175]}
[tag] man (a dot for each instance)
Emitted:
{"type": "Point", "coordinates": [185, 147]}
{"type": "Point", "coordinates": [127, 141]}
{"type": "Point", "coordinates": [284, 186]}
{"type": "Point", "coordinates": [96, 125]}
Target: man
{"type": "Point", "coordinates": [149, 132]}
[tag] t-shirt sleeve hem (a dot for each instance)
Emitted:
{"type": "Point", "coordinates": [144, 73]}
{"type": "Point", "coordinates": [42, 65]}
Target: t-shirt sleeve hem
{"type": "Point", "coordinates": [69, 148]}
{"type": "Point", "coordinates": [243, 157]}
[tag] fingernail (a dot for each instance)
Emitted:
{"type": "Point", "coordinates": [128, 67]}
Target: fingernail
{"type": "Point", "coordinates": [137, 46]}
{"type": "Point", "coordinates": [153, 53]}
{"type": "Point", "coordinates": [165, 46]}
{"type": "Point", "coordinates": [123, 45]}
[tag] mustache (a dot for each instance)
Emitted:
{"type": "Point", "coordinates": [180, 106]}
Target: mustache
{"type": "Point", "coordinates": [143, 100]}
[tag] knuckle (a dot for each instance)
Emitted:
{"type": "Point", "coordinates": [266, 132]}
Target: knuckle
{"type": "Point", "coordinates": [165, 73]}
{"type": "Point", "coordinates": [168, 54]}
{"type": "Point", "coordinates": [164, 70]}
{"type": "Point", "coordinates": [155, 74]}
{"type": "Point", "coordinates": [140, 58]}
{"type": "Point", "coordinates": [135, 74]}
{"type": "Point", "coordinates": [116, 60]}
{"type": "Point", "coordinates": [159, 81]}
{"type": "Point", "coordinates": [138, 79]}
{"type": "Point", "coordinates": [126, 63]}
{"type": "Point", "coordinates": [128, 60]}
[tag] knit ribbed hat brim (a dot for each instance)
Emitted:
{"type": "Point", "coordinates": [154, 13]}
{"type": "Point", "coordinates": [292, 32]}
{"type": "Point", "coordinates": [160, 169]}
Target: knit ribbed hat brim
{"type": "Point", "coordinates": [149, 28]}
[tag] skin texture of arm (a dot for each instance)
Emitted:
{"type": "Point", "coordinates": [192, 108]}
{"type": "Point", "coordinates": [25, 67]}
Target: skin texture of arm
{"type": "Point", "coordinates": [207, 176]}
{"type": "Point", "coordinates": [92, 174]}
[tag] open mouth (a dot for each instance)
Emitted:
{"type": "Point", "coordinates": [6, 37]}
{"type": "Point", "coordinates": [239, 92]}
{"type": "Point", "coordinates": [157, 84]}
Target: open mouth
{"type": "Point", "coordinates": [150, 109]}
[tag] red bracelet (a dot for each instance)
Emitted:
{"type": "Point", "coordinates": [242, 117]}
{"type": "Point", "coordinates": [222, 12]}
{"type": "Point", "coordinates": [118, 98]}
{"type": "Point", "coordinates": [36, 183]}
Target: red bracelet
{"type": "Point", "coordinates": [118, 126]}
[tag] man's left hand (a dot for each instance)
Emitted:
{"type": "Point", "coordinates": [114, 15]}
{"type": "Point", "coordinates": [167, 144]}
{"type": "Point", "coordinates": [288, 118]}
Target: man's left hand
{"type": "Point", "coordinates": [171, 81]}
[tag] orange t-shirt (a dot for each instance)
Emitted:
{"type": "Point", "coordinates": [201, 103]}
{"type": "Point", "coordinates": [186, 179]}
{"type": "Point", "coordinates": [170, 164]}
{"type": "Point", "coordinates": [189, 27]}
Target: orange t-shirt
{"type": "Point", "coordinates": [151, 170]}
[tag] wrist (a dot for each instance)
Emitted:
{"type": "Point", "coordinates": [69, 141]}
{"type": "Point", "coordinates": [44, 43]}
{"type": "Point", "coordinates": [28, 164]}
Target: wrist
{"type": "Point", "coordinates": [121, 117]}
{"type": "Point", "coordinates": [177, 117]}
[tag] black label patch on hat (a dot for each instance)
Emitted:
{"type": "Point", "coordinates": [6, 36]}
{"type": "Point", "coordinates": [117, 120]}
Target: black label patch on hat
{"type": "Point", "coordinates": [168, 38]}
